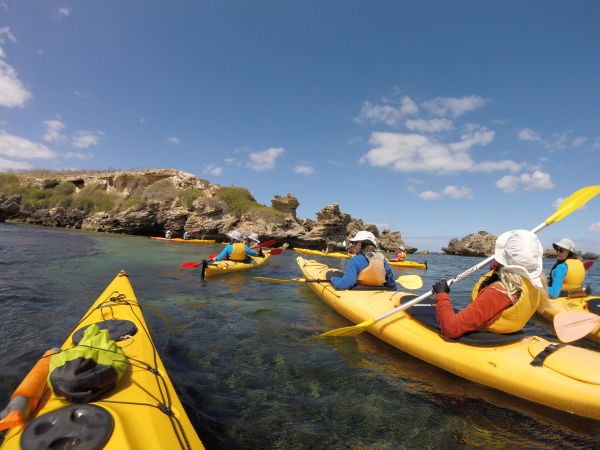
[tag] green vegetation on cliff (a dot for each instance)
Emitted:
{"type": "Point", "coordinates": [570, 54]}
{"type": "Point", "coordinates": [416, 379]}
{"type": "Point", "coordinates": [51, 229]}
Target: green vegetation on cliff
{"type": "Point", "coordinates": [240, 201]}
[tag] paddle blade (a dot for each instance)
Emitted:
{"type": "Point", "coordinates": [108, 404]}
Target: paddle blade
{"type": "Point", "coordinates": [410, 281]}
{"type": "Point", "coordinates": [282, 280]}
{"type": "Point", "coordinates": [588, 264]}
{"type": "Point", "coordinates": [570, 326]}
{"type": "Point", "coordinates": [350, 331]}
{"type": "Point", "coordinates": [276, 251]}
{"type": "Point", "coordinates": [189, 264]}
{"type": "Point", "coordinates": [573, 202]}
{"type": "Point", "coordinates": [265, 244]}
{"type": "Point", "coordinates": [212, 256]}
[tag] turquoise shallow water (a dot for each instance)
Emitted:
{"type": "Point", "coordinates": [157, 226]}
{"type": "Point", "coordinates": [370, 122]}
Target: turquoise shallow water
{"type": "Point", "coordinates": [245, 356]}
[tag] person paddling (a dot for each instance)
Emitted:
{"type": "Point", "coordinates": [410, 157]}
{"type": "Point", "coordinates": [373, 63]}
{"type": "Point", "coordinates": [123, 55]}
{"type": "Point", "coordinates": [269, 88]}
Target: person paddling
{"type": "Point", "coordinates": [504, 299]}
{"type": "Point", "coordinates": [568, 273]}
{"type": "Point", "coordinates": [236, 250]}
{"type": "Point", "coordinates": [252, 241]}
{"type": "Point", "coordinates": [400, 254]}
{"type": "Point", "coordinates": [368, 267]}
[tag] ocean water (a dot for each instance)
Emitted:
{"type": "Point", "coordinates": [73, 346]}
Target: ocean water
{"type": "Point", "coordinates": [245, 355]}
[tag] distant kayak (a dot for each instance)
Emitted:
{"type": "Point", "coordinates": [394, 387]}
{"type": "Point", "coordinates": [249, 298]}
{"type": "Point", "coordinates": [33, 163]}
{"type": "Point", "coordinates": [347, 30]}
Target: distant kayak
{"type": "Point", "coordinates": [564, 377]}
{"type": "Point", "coordinates": [141, 411]}
{"type": "Point", "coordinates": [406, 264]}
{"type": "Point", "coordinates": [184, 241]}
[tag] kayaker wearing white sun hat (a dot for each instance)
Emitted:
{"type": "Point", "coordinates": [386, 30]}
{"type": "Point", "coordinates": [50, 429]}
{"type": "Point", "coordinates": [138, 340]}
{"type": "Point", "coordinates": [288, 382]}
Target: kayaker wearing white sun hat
{"type": "Point", "coordinates": [368, 267]}
{"type": "Point", "coordinates": [568, 273]}
{"type": "Point", "coordinates": [504, 299]}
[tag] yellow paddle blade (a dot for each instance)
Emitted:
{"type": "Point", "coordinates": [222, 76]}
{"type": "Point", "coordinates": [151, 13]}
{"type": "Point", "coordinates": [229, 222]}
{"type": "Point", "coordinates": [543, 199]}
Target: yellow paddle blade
{"type": "Point", "coordinates": [410, 281]}
{"type": "Point", "coordinates": [281, 280]}
{"type": "Point", "coordinates": [350, 331]}
{"type": "Point", "coordinates": [573, 202]}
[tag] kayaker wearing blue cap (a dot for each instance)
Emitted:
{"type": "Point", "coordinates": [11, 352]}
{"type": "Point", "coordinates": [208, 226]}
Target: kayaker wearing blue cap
{"type": "Point", "coordinates": [236, 250]}
{"type": "Point", "coordinates": [568, 273]}
{"type": "Point", "coordinates": [504, 299]}
{"type": "Point", "coordinates": [368, 267]}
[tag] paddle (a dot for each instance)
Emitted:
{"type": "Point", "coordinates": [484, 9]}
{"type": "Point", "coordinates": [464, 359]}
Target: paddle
{"type": "Point", "coordinates": [406, 281]}
{"type": "Point", "coordinates": [588, 264]}
{"type": "Point", "coordinates": [570, 326]}
{"type": "Point", "coordinates": [569, 205]}
{"type": "Point", "coordinates": [192, 264]}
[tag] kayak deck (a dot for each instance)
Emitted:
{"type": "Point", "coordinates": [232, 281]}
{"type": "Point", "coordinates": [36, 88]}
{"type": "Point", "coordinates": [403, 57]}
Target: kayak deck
{"type": "Point", "coordinates": [568, 379]}
{"type": "Point", "coordinates": [144, 406]}
{"type": "Point", "coordinates": [402, 264]}
{"type": "Point", "coordinates": [227, 266]}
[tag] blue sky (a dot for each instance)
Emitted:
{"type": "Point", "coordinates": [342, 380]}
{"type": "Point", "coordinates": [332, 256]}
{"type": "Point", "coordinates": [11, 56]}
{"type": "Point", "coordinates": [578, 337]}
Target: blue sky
{"type": "Point", "coordinates": [433, 118]}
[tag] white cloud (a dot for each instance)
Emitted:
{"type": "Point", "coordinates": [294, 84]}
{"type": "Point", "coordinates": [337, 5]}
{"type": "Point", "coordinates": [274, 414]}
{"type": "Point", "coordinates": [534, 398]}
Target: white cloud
{"type": "Point", "coordinates": [558, 202]}
{"type": "Point", "coordinates": [596, 145]}
{"type": "Point", "coordinates": [77, 155]}
{"type": "Point", "coordinates": [452, 106]}
{"type": "Point", "coordinates": [65, 11]}
{"type": "Point", "coordinates": [418, 153]}
{"type": "Point", "coordinates": [7, 164]}
{"type": "Point", "coordinates": [457, 192]}
{"type": "Point", "coordinates": [304, 169]}
{"type": "Point", "coordinates": [213, 169]}
{"type": "Point", "coordinates": [557, 141]}
{"type": "Point", "coordinates": [387, 114]}
{"type": "Point", "coordinates": [174, 140]}
{"type": "Point", "coordinates": [85, 139]}
{"type": "Point", "coordinates": [451, 191]}
{"type": "Point", "coordinates": [536, 181]}
{"type": "Point", "coordinates": [429, 195]}
{"type": "Point", "coordinates": [80, 94]}
{"type": "Point", "coordinates": [54, 130]}
{"type": "Point", "coordinates": [595, 227]}
{"type": "Point", "coordinates": [142, 121]}
{"type": "Point", "coordinates": [18, 147]}
{"type": "Point", "coordinates": [266, 159]}
{"type": "Point", "coordinates": [429, 126]}
{"type": "Point", "coordinates": [5, 35]}
{"type": "Point", "coordinates": [12, 92]}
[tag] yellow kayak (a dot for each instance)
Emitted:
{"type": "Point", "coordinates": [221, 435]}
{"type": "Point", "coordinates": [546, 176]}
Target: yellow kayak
{"type": "Point", "coordinates": [184, 241]}
{"type": "Point", "coordinates": [141, 412]}
{"type": "Point", "coordinates": [227, 266]}
{"type": "Point", "coordinates": [404, 264]}
{"type": "Point", "coordinates": [589, 303]}
{"type": "Point", "coordinates": [564, 377]}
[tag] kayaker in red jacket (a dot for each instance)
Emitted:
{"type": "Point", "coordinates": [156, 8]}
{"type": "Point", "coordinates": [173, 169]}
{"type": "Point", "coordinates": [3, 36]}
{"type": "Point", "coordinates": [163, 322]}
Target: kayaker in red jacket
{"type": "Point", "coordinates": [505, 299]}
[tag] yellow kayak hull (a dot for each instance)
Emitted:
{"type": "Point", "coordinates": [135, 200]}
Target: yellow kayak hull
{"type": "Point", "coordinates": [184, 241]}
{"type": "Point", "coordinates": [406, 264]}
{"type": "Point", "coordinates": [134, 403]}
{"type": "Point", "coordinates": [227, 266]}
{"type": "Point", "coordinates": [568, 380]}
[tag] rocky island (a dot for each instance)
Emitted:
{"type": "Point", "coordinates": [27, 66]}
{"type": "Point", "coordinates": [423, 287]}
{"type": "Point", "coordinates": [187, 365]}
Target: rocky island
{"type": "Point", "coordinates": [148, 202]}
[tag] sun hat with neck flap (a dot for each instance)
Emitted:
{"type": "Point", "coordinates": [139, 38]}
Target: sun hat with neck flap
{"type": "Point", "coordinates": [235, 235]}
{"type": "Point", "coordinates": [520, 251]}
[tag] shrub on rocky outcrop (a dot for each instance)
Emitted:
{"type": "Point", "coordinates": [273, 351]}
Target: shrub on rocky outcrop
{"type": "Point", "coordinates": [161, 191]}
{"type": "Point", "coordinates": [187, 196]}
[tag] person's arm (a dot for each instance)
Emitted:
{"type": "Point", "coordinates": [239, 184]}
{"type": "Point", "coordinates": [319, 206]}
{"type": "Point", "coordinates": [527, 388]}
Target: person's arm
{"type": "Point", "coordinates": [489, 303]}
{"type": "Point", "coordinates": [558, 278]}
{"type": "Point", "coordinates": [350, 274]}
{"type": "Point", "coordinates": [390, 282]}
{"type": "Point", "coordinates": [249, 251]}
{"type": "Point", "coordinates": [224, 253]}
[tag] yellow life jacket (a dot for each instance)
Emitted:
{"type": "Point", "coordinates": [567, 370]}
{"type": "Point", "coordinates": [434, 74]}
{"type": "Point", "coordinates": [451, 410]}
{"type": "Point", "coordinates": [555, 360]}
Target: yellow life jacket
{"type": "Point", "coordinates": [514, 317]}
{"type": "Point", "coordinates": [575, 275]}
{"type": "Point", "coordinates": [238, 252]}
{"type": "Point", "coordinates": [374, 273]}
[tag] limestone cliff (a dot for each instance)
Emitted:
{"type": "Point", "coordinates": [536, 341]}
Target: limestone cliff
{"type": "Point", "coordinates": [148, 202]}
